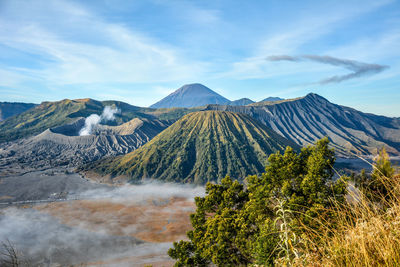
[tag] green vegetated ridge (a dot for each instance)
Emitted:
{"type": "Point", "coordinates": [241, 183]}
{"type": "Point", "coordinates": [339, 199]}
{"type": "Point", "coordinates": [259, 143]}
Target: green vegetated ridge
{"type": "Point", "coordinates": [52, 114]}
{"type": "Point", "coordinates": [9, 109]}
{"type": "Point", "coordinates": [202, 146]}
{"type": "Point", "coordinates": [38, 119]}
{"type": "Point", "coordinates": [172, 114]}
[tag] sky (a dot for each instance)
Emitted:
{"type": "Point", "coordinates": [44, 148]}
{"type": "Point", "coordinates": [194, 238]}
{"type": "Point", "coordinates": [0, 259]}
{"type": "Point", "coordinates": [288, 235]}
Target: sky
{"type": "Point", "coordinates": [141, 51]}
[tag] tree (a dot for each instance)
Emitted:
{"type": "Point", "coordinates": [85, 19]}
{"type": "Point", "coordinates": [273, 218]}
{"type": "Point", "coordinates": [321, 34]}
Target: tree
{"type": "Point", "coordinates": [217, 225]}
{"type": "Point", "coordinates": [11, 257]}
{"type": "Point", "coordinates": [237, 225]}
{"type": "Point", "coordinates": [377, 186]}
{"type": "Point", "coordinates": [302, 182]}
{"type": "Point", "coordinates": [382, 166]}
{"type": "Point", "coordinates": [380, 184]}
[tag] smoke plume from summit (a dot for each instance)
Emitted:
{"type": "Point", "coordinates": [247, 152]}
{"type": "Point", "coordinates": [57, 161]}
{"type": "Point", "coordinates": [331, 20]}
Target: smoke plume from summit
{"type": "Point", "coordinates": [93, 120]}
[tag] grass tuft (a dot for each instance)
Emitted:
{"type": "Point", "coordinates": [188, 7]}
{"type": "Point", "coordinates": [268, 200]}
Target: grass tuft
{"type": "Point", "coordinates": [365, 231]}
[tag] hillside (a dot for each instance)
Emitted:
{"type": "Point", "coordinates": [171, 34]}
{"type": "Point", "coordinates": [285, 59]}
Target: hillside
{"type": "Point", "coordinates": [202, 146]}
{"type": "Point", "coordinates": [273, 102]}
{"type": "Point", "coordinates": [241, 102]}
{"type": "Point", "coordinates": [171, 114]}
{"type": "Point", "coordinates": [52, 114]}
{"type": "Point", "coordinates": [191, 95]}
{"type": "Point", "coordinates": [62, 145]}
{"type": "Point", "coordinates": [9, 109]}
{"type": "Point", "coordinates": [271, 99]}
{"type": "Point", "coordinates": [307, 119]}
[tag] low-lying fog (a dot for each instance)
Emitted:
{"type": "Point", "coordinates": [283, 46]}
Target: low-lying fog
{"type": "Point", "coordinates": [129, 225]}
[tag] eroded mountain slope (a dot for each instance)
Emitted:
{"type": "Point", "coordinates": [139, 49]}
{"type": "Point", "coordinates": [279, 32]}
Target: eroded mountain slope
{"type": "Point", "coordinates": [202, 146]}
{"type": "Point", "coordinates": [307, 119]}
{"type": "Point", "coordinates": [62, 146]}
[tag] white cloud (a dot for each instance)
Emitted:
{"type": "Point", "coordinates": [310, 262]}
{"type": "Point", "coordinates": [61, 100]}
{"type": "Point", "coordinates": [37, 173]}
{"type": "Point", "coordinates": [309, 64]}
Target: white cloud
{"type": "Point", "coordinates": [294, 35]}
{"type": "Point", "coordinates": [375, 48]}
{"type": "Point", "coordinates": [102, 52]}
{"type": "Point", "coordinates": [9, 78]}
{"type": "Point", "coordinates": [382, 49]}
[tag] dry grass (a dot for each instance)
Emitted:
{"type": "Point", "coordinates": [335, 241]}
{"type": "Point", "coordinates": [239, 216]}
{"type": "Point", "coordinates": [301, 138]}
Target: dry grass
{"type": "Point", "coordinates": [364, 233]}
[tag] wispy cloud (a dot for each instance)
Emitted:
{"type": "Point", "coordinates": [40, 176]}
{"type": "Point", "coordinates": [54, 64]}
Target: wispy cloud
{"type": "Point", "coordinates": [282, 58]}
{"type": "Point", "coordinates": [100, 52]}
{"type": "Point", "coordinates": [296, 35]}
{"type": "Point", "coordinates": [358, 69]}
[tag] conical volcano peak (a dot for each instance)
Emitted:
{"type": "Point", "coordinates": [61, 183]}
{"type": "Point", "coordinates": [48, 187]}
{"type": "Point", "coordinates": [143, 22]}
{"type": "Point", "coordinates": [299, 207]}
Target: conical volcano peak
{"type": "Point", "coordinates": [191, 95]}
{"type": "Point", "coordinates": [195, 87]}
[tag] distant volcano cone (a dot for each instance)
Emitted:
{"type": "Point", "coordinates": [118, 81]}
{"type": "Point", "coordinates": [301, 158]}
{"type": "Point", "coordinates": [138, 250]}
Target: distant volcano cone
{"type": "Point", "coordinates": [202, 146]}
{"type": "Point", "coordinates": [191, 95]}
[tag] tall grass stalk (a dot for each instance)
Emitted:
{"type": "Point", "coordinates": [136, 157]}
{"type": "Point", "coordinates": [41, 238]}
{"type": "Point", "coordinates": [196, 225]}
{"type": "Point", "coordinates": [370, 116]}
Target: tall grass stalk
{"type": "Point", "coordinates": [364, 232]}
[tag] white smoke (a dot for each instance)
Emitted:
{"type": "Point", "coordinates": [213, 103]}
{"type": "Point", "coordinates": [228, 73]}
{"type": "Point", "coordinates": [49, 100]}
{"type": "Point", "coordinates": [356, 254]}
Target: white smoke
{"type": "Point", "coordinates": [93, 120]}
{"type": "Point", "coordinates": [108, 113]}
{"type": "Point", "coordinates": [90, 123]}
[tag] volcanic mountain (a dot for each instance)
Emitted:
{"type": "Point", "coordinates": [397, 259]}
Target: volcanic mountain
{"type": "Point", "coordinates": [191, 95]}
{"type": "Point", "coordinates": [241, 102]}
{"type": "Point", "coordinates": [271, 99]}
{"type": "Point", "coordinates": [202, 146]}
{"type": "Point", "coordinates": [52, 114]}
{"type": "Point", "coordinates": [9, 109]}
{"type": "Point", "coordinates": [307, 119]}
{"type": "Point", "coordinates": [62, 145]}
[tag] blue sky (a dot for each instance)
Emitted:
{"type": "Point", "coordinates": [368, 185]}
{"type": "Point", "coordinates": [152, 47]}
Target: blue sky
{"type": "Point", "coordinates": [140, 51]}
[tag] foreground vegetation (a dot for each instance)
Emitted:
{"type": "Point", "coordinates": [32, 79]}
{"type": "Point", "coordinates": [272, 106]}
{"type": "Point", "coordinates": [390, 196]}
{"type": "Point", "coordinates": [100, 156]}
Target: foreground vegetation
{"type": "Point", "coordinates": [296, 214]}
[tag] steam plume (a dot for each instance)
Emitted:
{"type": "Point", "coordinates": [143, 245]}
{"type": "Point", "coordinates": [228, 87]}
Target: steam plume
{"type": "Point", "coordinates": [108, 113]}
{"type": "Point", "coordinates": [358, 69]}
{"type": "Point", "coordinates": [93, 120]}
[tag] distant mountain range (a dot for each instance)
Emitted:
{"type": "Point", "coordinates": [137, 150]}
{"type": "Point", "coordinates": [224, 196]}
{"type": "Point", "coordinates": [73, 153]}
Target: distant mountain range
{"type": "Point", "coordinates": [302, 120]}
{"type": "Point", "coordinates": [196, 95]}
{"type": "Point", "coordinates": [9, 109]}
{"type": "Point", "coordinates": [306, 119]}
{"type": "Point", "coordinates": [202, 146]}
{"type": "Point", "coordinates": [52, 114]}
